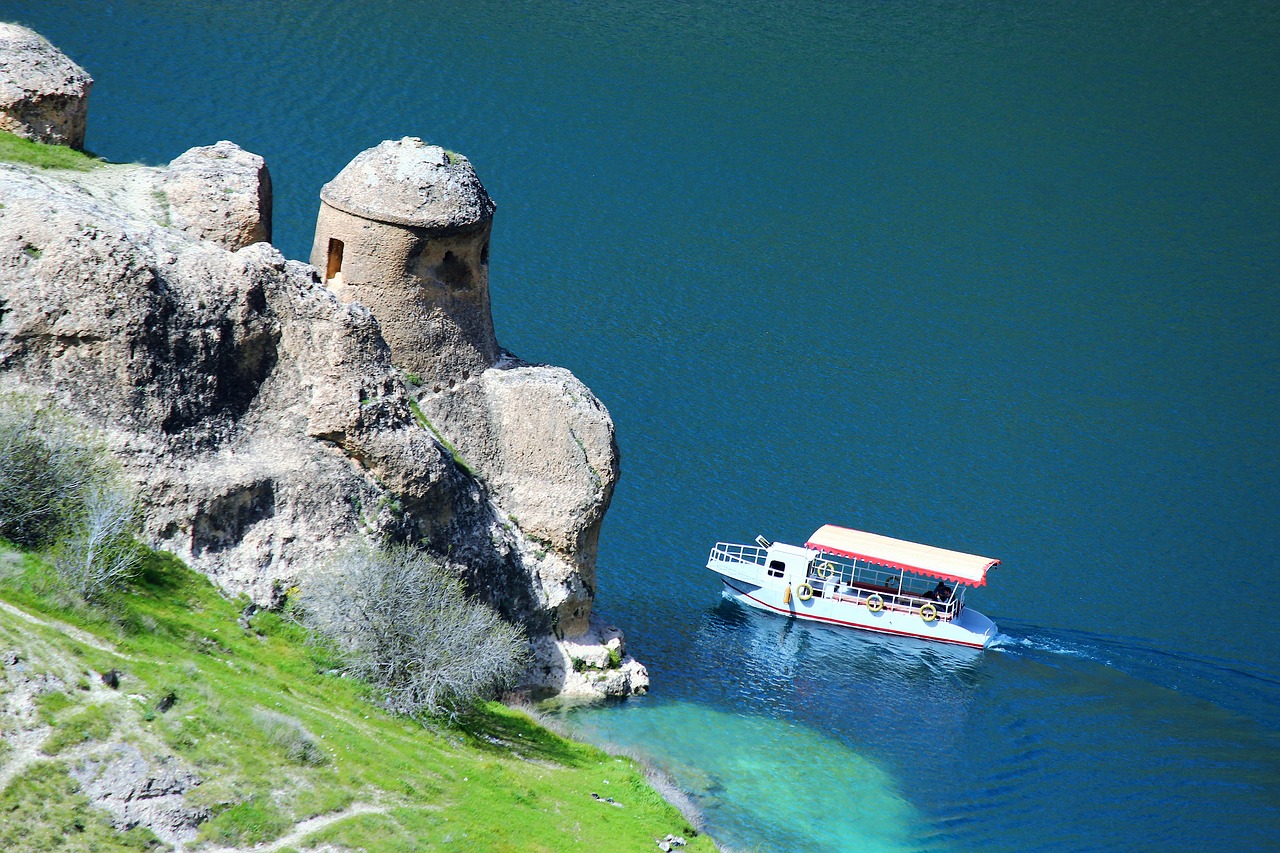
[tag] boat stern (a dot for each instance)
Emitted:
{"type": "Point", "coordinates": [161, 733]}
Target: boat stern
{"type": "Point", "coordinates": [982, 629]}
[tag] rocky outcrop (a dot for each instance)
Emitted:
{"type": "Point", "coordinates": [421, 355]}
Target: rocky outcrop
{"type": "Point", "coordinates": [267, 419]}
{"type": "Point", "coordinates": [137, 791]}
{"type": "Point", "coordinates": [404, 229]}
{"type": "Point", "coordinates": [261, 418]}
{"type": "Point", "coordinates": [545, 446]}
{"type": "Point", "coordinates": [221, 193]}
{"type": "Point", "coordinates": [264, 421]}
{"type": "Point", "coordinates": [595, 663]}
{"type": "Point", "coordinates": [43, 95]}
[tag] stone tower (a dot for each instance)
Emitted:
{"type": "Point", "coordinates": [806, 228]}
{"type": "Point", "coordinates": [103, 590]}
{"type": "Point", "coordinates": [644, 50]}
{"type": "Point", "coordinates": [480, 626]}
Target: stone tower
{"type": "Point", "coordinates": [404, 230]}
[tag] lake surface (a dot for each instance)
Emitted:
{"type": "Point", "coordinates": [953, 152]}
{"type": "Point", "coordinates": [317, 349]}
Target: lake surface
{"type": "Point", "coordinates": [1000, 277]}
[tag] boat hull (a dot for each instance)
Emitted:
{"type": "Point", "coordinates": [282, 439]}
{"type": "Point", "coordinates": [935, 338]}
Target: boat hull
{"type": "Point", "coordinates": [970, 628]}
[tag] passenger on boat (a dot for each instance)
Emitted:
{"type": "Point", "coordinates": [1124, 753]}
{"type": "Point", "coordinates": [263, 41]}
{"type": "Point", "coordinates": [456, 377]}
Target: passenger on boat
{"type": "Point", "coordinates": [941, 592]}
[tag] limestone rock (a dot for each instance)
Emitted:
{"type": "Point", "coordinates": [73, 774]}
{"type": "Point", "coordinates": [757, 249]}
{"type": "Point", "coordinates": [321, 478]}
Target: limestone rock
{"type": "Point", "coordinates": [545, 446]}
{"type": "Point", "coordinates": [404, 229]}
{"type": "Point", "coordinates": [593, 664]}
{"type": "Point", "coordinates": [221, 193]}
{"type": "Point", "coordinates": [259, 416]}
{"type": "Point", "coordinates": [136, 791]}
{"type": "Point", "coordinates": [43, 94]}
{"type": "Point", "coordinates": [263, 420]}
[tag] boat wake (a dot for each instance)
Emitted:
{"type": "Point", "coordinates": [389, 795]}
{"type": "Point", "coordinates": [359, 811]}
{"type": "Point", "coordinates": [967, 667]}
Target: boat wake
{"type": "Point", "coordinates": [1052, 645]}
{"type": "Point", "coordinates": [1236, 686]}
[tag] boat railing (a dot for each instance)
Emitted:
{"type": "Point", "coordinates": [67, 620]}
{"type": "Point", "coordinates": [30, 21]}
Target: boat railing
{"type": "Point", "coordinates": [730, 552]}
{"type": "Point", "coordinates": [899, 601]}
{"type": "Point", "coordinates": [850, 581]}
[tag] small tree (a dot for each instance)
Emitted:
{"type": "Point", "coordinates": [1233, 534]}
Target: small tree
{"type": "Point", "coordinates": [404, 624]}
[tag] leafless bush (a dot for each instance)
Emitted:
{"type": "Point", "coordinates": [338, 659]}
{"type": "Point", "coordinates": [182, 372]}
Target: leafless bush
{"type": "Point", "coordinates": [405, 625]}
{"type": "Point", "coordinates": [47, 468]}
{"type": "Point", "coordinates": [57, 482]}
{"type": "Point", "coordinates": [100, 552]}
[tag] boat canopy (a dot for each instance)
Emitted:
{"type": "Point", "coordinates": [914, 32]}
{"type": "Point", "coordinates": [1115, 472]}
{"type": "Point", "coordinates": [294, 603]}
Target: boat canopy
{"type": "Point", "coordinates": [900, 554]}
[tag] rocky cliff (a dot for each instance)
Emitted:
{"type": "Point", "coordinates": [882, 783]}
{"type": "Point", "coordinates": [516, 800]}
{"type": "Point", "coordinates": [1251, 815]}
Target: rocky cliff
{"type": "Point", "coordinates": [266, 421]}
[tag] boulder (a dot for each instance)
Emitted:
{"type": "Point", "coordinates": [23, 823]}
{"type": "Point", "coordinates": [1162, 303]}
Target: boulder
{"type": "Point", "coordinates": [595, 663]}
{"type": "Point", "coordinates": [43, 95]}
{"type": "Point", "coordinates": [545, 446]}
{"type": "Point", "coordinates": [221, 193]}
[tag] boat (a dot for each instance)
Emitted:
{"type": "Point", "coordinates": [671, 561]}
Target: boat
{"type": "Point", "coordinates": [862, 580]}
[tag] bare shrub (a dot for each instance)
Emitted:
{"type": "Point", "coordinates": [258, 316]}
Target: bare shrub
{"type": "Point", "coordinates": [100, 553]}
{"type": "Point", "coordinates": [59, 483]}
{"type": "Point", "coordinates": [47, 466]}
{"type": "Point", "coordinates": [289, 734]}
{"type": "Point", "coordinates": [403, 623]}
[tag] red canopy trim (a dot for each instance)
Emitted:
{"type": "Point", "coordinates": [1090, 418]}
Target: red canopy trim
{"type": "Point", "coordinates": [900, 554]}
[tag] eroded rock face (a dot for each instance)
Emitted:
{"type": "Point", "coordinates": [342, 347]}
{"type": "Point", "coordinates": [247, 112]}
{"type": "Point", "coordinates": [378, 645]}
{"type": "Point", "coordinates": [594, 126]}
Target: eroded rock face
{"type": "Point", "coordinates": [545, 446]}
{"type": "Point", "coordinates": [266, 418]}
{"type": "Point", "coordinates": [43, 95]}
{"type": "Point", "coordinates": [404, 229]}
{"type": "Point", "coordinates": [137, 791]}
{"type": "Point", "coordinates": [262, 418]}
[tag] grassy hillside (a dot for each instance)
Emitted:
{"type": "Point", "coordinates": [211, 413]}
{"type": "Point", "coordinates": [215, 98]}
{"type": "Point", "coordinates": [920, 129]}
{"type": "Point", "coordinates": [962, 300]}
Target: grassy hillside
{"type": "Point", "coordinates": [276, 737]}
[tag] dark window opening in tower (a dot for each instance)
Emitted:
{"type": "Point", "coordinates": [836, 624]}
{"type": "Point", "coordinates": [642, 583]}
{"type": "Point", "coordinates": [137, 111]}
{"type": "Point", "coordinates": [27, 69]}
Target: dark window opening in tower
{"type": "Point", "coordinates": [484, 255]}
{"type": "Point", "coordinates": [333, 268]}
{"type": "Point", "coordinates": [453, 273]}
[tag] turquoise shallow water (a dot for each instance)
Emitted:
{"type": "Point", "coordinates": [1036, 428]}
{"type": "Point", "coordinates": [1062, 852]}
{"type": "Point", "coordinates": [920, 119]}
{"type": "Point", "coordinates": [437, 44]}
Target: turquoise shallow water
{"type": "Point", "coordinates": [1001, 277]}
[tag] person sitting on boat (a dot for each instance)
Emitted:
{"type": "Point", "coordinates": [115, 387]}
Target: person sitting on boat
{"type": "Point", "coordinates": [941, 592]}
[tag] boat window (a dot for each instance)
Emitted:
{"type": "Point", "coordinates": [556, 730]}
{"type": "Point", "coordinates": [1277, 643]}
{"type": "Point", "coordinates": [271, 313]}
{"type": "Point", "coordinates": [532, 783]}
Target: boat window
{"type": "Point", "coordinates": [776, 568]}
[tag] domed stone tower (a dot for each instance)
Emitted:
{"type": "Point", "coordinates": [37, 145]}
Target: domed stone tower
{"type": "Point", "coordinates": [404, 230]}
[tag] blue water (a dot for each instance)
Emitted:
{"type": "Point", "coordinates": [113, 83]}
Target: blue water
{"type": "Point", "coordinates": [1001, 277]}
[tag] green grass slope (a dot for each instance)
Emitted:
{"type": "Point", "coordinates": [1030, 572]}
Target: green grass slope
{"type": "Point", "coordinates": [289, 752]}
{"type": "Point", "coordinates": [15, 149]}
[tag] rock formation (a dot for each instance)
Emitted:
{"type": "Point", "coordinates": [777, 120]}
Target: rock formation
{"type": "Point", "coordinates": [218, 192]}
{"type": "Point", "coordinates": [137, 791]}
{"type": "Point", "coordinates": [404, 230]}
{"type": "Point", "coordinates": [43, 95]}
{"type": "Point", "coordinates": [266, 420]}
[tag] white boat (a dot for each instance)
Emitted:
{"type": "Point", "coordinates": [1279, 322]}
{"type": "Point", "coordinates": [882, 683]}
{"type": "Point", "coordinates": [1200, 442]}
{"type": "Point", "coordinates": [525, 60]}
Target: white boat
{"type": "Point", "coordinates": [861, 580]}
